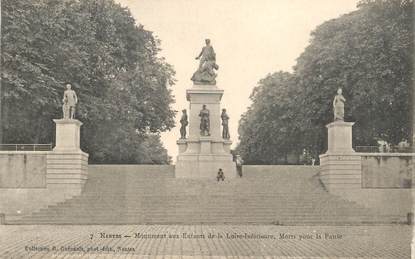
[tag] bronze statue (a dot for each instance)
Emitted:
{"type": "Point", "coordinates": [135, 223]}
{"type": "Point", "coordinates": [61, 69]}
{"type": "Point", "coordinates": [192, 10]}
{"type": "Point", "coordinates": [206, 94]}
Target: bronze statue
{"type": "Point", "coordinates": [338, 106]}
{"type": "Point", "coordinates": [184, 123]}
{"type": "Point", "coordinates": [205, 74]}
{"type": "Point", "coordinates": [225, 124]}
{"type": "Point", "coordinates": [69, 103]}
{"type": "Point", "coordinates": [204, 121]}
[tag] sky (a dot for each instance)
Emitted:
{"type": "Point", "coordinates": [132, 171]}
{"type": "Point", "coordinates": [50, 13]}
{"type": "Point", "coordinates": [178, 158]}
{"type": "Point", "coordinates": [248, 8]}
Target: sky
{"type": "Point", "coordinates": [251, 38]}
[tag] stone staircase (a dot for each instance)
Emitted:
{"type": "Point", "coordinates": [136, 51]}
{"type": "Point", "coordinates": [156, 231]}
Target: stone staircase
{"type": "Point", "coordinates": [285, 195]}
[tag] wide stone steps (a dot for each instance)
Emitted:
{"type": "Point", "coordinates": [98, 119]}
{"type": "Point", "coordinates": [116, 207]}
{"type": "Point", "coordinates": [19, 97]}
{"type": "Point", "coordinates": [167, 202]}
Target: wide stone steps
{"type": "Point", "coordinates": [127, 195]}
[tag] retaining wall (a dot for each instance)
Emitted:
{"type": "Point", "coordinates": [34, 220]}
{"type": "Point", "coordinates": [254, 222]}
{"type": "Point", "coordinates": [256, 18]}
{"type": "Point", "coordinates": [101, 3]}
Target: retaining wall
{"type": "Point", "coordinates": [381, 181]}
{"type": "Point", "coordinates": [31, 180]}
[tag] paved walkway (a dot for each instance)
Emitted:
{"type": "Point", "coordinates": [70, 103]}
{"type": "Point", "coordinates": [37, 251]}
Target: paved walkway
{"type": "Point", "coordinates": [205, 241]}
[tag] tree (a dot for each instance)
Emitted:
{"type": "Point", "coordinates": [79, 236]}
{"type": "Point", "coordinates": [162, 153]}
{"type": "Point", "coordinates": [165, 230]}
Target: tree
{"type": "Point", "coordinates": [123, 85]}
{"type": "Point", "coordinates": [266, 128]}
{"type": "Point", "coordinates": [368, 53]}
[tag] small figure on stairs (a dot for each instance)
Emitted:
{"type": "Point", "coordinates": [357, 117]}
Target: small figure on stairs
{"type": "Point", "coordinates": [221, 175]}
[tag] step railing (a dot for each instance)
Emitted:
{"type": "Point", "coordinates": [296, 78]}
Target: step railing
{"type": "Point", "coordinates": [25, 147]}
{"type": "Point", "coordinates": [381, 149]}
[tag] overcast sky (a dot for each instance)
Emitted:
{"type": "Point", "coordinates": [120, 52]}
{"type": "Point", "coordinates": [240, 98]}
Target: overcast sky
{"type": "Point", "coordinates": [251, 38]}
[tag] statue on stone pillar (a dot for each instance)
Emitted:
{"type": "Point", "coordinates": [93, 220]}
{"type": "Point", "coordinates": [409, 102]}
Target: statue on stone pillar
{"type": "Point", "coordinates": [225, 124]}
{"type": "Point", "coordinates": [204, 121]}
{"type": "Point", "coordinates": [205, 74]}
{"type": "Point", "coordinates": [338, 106]}
{"type": "Point", "coordinates": [184, 122]}
{"type": "Point", "coordinates": [70, 100]}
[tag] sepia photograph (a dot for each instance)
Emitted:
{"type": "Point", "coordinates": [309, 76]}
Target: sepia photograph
{"type": "Point", "coordinates": [207, 129]}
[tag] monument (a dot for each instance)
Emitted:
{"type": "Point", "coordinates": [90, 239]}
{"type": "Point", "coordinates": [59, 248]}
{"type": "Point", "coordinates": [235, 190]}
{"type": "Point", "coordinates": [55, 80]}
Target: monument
{"type": "Point", "coordinates": [205, 150]}
{"type": "Point", "coordinates": [68, 163]}
{"type": "Point", "coordinates": [339, 131]}
{"type": "Point", "coordinates": [68, 128]}
{"type": "Point", "coordinates": [340, 158]}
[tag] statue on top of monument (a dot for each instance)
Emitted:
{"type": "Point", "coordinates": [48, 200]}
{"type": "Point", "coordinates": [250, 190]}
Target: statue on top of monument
{"type": "Point", "coordinates": [338, 106]}
{"type": "Point", "coordinates": [205, 74]}
{"type": "Point", "coordinates": [70, 99]}
{"type": "Point", "coordinates": [225, 124]}
{"type": "Point", "coordinates": [184, 123]}
{"type": "Point", "coordinates": [204, 121]}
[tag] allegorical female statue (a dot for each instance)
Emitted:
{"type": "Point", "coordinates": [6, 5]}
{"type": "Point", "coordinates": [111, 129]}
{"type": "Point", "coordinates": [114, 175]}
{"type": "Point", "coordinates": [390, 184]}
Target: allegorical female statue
{"type": "Point", "coordinates": [205, 74]}
{"type": "Point", "coordinates": [225, 124]}
{"type": "Point", "coordinates": [70, 99]}
{"type": "Point", "coordinates": [204, 121]}
{"type": "Point", "coordinates": [338, 106]}
{"type": "Point", "coordinates": [184, 123]}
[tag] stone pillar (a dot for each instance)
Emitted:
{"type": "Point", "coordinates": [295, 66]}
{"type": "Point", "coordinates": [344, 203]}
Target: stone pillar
{"type": "Point", "coordinates": [202, 156]}
{"type": "Point", "coordinates": [340, 137]}
{"type": "Point", "coordinates": [340, 166]}
{"type": "Point", "coordinates": [67, 164]}
{"type": "Point", "coordinates": [67, 135]}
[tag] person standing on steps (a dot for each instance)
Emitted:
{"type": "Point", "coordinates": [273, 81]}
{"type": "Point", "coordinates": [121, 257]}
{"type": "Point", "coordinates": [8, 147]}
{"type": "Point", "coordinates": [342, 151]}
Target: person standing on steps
{"type": "Point", "coordinates": [221, 175]}
{"type": "Point", "coordinates": [239, 162]}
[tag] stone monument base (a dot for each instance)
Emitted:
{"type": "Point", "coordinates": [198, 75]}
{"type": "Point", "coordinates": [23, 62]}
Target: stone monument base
{"type": "Point", "coordinates": [203, 157]}
{"type": "Point", "coordinates": [204, 166]}
{"type": "Point", "coordinates": [341, 171]}
{"type": "Point", "coordinates": [67, 135]}
{"type": "Point", "coordinates": [340, 165]}
{"type": "Point", "coordinates": [340, 137]}
{"type": "Point", "coordinates": [67, 163]}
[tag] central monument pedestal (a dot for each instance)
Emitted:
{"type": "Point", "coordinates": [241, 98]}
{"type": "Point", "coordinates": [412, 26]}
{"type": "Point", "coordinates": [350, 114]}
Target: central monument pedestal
{"type": "Point", "coordinates": [202, 156]}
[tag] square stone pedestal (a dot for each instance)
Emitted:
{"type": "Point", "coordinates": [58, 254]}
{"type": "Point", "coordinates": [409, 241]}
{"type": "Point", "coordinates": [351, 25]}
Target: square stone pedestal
{"type": "Point", "coordinates": [340, 166]}
{"type": "Point", "coordinates": [340, 137]}
{"type": "Point", "coordinates": [67, 163]}
{"type": "Point", "coordinates": [67, 135]}
{"type": "Point", "coordinates": [203, 158]}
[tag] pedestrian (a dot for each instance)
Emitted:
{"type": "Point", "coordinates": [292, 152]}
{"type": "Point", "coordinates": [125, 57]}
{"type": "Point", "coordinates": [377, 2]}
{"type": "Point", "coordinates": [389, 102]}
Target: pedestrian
{"type": "Point", "coordinates": [221, 175]}
{"type": "Point", "coordinates": [239, 163]}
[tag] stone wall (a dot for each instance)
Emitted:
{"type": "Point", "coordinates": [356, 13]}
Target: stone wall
{"type": "Point", "coordinates": [30, 180]}
{"type": "Point", "coordinates": [26, 170]}
{"type": "Point", "coordinates": [380, 181]}
{"type": "Point", "coordinates": [385, 171]}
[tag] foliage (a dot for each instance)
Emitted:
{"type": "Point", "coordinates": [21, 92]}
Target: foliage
{"type": "Point", "coordinates": [269, 121]}
{"type": "Point", "coordinates": [122, 84]}
{"type": "Point", "coordinates": [369, 54]}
